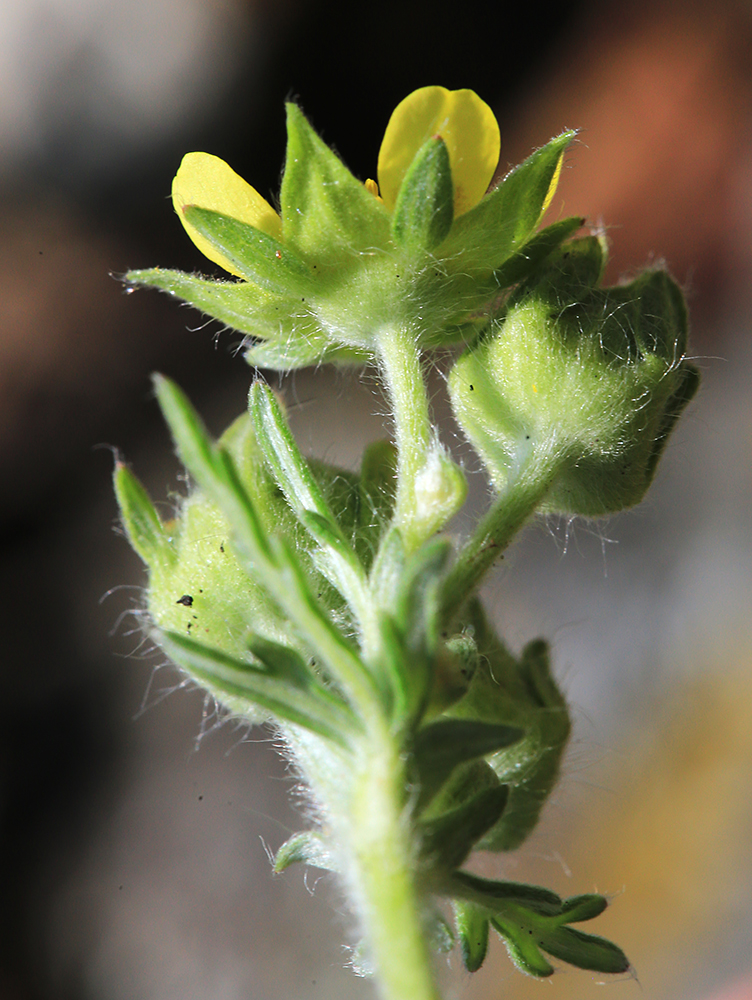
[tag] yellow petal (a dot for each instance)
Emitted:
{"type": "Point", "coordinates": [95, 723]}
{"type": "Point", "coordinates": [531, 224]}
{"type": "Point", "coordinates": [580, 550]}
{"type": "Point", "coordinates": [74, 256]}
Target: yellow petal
{"type": "Point", "coordinates": [552, 187]}
{"type": "Point", "coordinates": [465, 123]}
{"type": "Point", "coordinates": [208, 182]}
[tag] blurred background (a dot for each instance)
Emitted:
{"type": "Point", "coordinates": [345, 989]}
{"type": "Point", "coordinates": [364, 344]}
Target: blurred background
{"type": "Point", "coordinates": [134, 826]}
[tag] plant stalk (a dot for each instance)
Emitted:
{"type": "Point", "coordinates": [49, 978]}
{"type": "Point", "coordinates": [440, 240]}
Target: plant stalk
{"type": "Point", "coordinates": [493, 533]}
{"type": "Point", "coordinates": [385, 877]}
{"type": "Point", "coordinates": [403, 376]}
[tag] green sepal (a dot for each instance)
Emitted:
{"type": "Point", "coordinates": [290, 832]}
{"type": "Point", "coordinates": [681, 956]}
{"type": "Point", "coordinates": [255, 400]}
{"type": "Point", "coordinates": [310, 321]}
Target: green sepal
{"type": "Point", "coordinates": [467, 781]}
{"type": "Point", "coordinates": [238, 304]}
{"type": "Point", "coordinates": [443, 745]}
{"type": "Point", "coordinates": [540, 246]}
{"type": "Point", "coordinates": [472, 928]}
{"type": "Point", "coordinates": [424, 209]}
{"type": "Point", "coordinates": [142, 523]}
{"type": "Point", "coordinates": [205, 591]}
{"type": "Point", "coordinates": [502, 222]}
{"type": "Point", "coordinates": [327, 215]}
{"type": "Point", "coordinates": [242, 681]}
{"type": "Point", "coordinates": [307, 346]}
{"type": "Point", "coordinates": [286, 332]}
{"type": "Point", "coordinates": [688, 384]}
{"type": "Point", "coordinates": [259, 257]}
{"type": "Point", "coordinates": [447, 839]}
{"type": "Point", "coordinates": [585, 951]}
{"type": "Point", "coordinates": [305, 848]}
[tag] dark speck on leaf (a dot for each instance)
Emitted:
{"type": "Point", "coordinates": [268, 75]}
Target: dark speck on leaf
{"type": "Point", "coordinates": [471, 388]}
{"type": "Point", "coordinates": [186, 600]}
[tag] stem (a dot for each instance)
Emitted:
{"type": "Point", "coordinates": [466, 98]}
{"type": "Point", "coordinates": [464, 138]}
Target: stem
{"type": "Point", "coordinates": [497, 528]}
{"type": "Point", "coordinates": [403, 376]}
{"type": "Point", "coordinates": [385, 878]}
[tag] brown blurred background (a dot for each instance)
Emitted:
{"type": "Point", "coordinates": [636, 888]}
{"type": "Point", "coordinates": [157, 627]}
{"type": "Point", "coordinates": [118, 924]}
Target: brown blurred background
{"type": "Point", "coordinates": [133, 827]}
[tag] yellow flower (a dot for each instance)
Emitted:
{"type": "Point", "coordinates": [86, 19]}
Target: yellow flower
{"type": "Point", "coordinates": [465, 123]}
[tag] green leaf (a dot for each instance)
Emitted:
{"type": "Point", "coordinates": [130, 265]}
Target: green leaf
{"type": "Point", "coordinates": [496, 896]}
{"type": "Point", "coordinates": [217, 670]}
{"type": "Point", "coordinates": [307, 848]}
{"type": "Point", "coordinates": [388, 568]}
{"type": "Point", "coordinates": [262, 259]}
{"type": "Point", "coordinates": [415, 620]}
{"type": "Point", "coordinates": [530, 918]}
{"type": "Point", "coordinates": [502, 222]}
{"type": "Point", "coordinates": [424, 209]}
{"type": "Point", "coordinates": [141, 521]}
{"type": "Point", "coordinates": [282, 662]}
{"type": "Point", "coordinates": [441, 746]}
{"type": "Point", "coordinates": [289, 468]}
{"type": "Point", "coordinates": [472, 928]}
{"type": "Point", "coordinates": [586, 951]}
{"type": "Point", "coordinates": [447, 840]}
{"type": "Point", "coordinates": [585, 907]}
{"type": "Point", "coordinates": [417, 605]}
{"type": "Point", "coordinates": [213, 470]}
{"type": "Point", "coordinates": [266, 558]}
{"type": "Point", "coordinates": [522, 948]}
{"type": "Point", "coordinates": [327, 215]}
{"type": "Point", "coordinates": [336, 557]}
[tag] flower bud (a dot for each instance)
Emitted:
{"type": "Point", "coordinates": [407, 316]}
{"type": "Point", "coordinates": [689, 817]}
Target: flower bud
{"type": "Point", "coordinates": [580, 383]}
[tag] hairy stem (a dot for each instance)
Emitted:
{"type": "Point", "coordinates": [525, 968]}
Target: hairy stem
{"type": "Point", "coordinates": [403, 376]}
{"type": "Point", "coordinates": [507, 515]}
{"type": "Point", "coordinates": [384, 877]}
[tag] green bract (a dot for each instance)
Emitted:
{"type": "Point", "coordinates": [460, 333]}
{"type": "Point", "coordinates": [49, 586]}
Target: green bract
{"type": "Point", "coordinates": [577, 383]}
